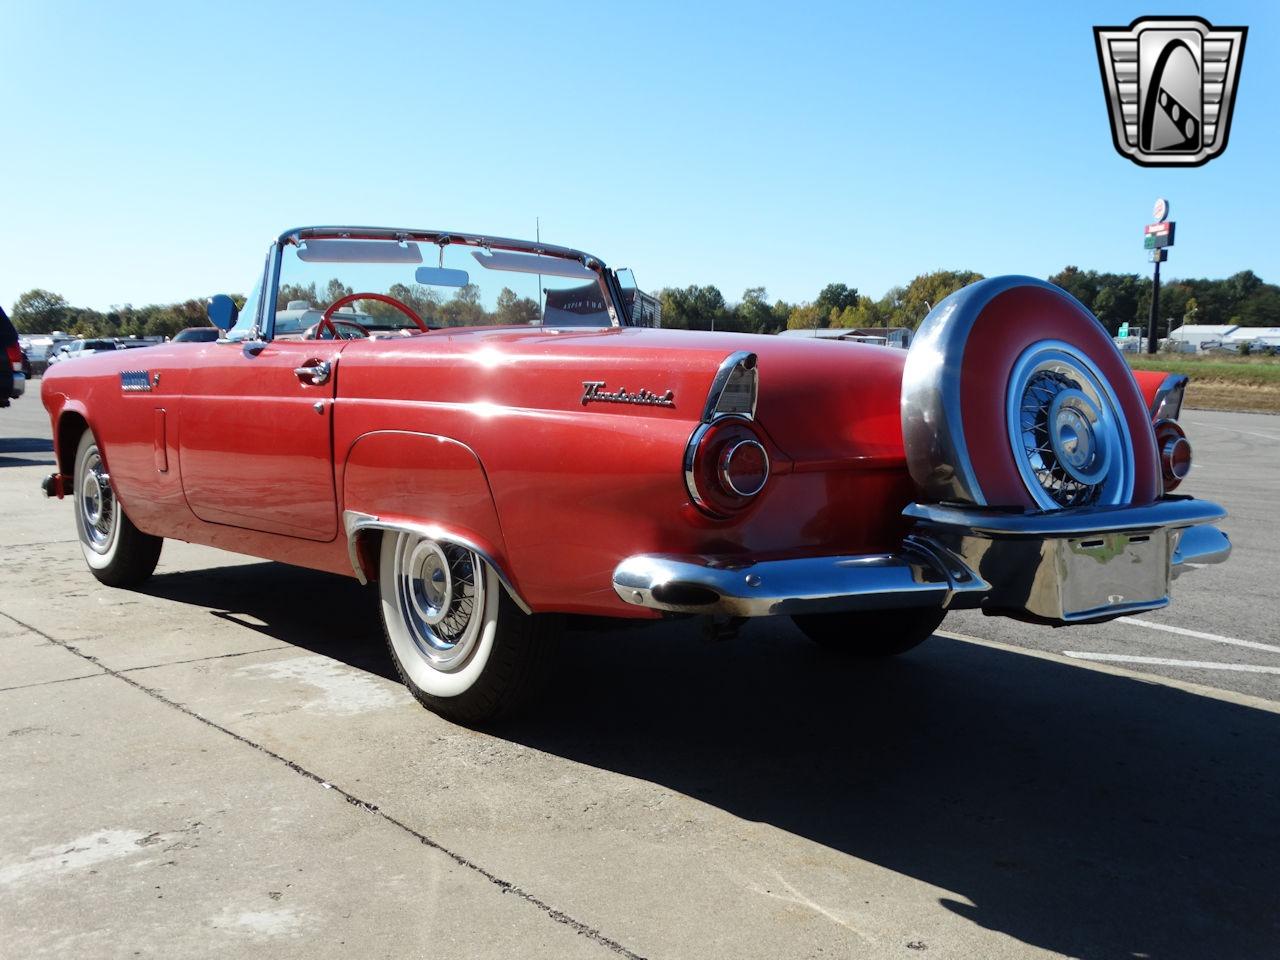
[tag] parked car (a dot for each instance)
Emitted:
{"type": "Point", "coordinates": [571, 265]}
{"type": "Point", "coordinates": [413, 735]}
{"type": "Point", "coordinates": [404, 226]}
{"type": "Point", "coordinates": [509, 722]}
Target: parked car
{"type": "Point", "coordinates": [497, 454]}
{"type": "Point", "coordinates": [197, 335]}
{"type": "Point", "coordinates": [80, 348]}
{"type": "Point", "coordinates": [15, 370]}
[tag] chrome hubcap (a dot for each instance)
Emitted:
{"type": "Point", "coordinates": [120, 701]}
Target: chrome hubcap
{"type": "Point", "coordinates": [1069, 437]}
{"type": "Point", "coordinates": [440, 591]}
{"type": "Point", "coordinates": [97, 504]}
{"type": "Point", "coordinates": [1074, 420]}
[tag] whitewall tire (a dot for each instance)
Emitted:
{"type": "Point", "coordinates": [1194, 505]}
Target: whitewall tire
{"type": "Point", "coordinates": [461, 645]}
{"type": "Point", "coordinates": [117, 552]}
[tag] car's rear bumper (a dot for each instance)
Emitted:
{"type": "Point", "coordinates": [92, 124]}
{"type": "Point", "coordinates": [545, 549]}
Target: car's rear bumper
{"type": "Point", "coordinates": [1064, 566]}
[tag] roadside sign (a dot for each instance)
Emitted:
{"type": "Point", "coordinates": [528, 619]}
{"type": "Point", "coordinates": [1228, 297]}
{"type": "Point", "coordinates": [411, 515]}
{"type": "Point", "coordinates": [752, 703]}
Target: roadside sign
{"type": "Point", "coordinates": [1160, 211]}
{"type": "Point", "coordinates": [1158, 235]}
{"type": "Point", "coordinates": [1123, 331]}
{"type": "Point", "coordinates": [1159, 256]}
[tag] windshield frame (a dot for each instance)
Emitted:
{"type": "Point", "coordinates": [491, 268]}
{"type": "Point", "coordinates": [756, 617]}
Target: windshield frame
{"type": "Point", "coordinates": [605, 277]}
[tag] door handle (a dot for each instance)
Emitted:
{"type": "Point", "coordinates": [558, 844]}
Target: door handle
{"type": "Point", "coordinates": [313, 373]}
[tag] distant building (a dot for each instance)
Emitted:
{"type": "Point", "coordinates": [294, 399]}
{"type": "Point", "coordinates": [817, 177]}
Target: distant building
{"type": "Point", "coordinates": [881, 336]}
{"type": "Point", "coordinates": [645, 310]}
{"type": "Point", "coordinates": [1266, 337]}
{"type": "Point", "coordinates": [1203, 335]}
{"type": "Point", "coordinates": [1224, 336]}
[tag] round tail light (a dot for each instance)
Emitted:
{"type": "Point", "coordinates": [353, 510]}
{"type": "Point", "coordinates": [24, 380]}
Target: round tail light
{"type": "Point", "coordinates": [1175, 453]}
{"type": "Point", "coordinates": [726, 466]}
{"type": "Point", "coordinates": [744, 467]}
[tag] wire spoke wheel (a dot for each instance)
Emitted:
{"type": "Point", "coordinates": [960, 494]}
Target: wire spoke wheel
{"type": "Point", "coordinates": [1069, 439]}
{"type": "Point", "coordinates": [440, 592]}
{"type": "Point", "coordinates": [97, 511]}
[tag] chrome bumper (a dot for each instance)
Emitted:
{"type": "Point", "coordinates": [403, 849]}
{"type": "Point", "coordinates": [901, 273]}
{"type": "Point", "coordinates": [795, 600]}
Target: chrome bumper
{"type": "Point", "coordinates": [1062, 567]}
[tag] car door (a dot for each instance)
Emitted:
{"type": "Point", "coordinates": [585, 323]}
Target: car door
{"type": "Point", "coordinates": [254, 436]}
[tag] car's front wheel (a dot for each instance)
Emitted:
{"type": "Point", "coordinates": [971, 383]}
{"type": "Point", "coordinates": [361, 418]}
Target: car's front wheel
{"type": "Point", "coordinates": [871, 633]}
{"type": "Point", "coordinates": [117, 552]}
{"type": "Point", "coordinates": [460, 643]}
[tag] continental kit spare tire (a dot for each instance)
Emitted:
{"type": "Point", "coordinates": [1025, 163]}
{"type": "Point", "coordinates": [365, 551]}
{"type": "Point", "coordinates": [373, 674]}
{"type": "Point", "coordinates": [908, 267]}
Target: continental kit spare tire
{"type": "Point", "coordinates": [1014, 395]}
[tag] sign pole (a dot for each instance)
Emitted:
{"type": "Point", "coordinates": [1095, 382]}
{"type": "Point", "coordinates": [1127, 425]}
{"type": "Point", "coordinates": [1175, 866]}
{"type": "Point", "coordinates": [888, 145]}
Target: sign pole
{"type": "Point", "coordinates": [1155, 308]}
{"type": "Point", "coordinates": [1159, 238]}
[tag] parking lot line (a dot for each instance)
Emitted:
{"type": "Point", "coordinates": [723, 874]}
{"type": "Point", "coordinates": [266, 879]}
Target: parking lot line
{"type": "Point", "coordinates": [1216, 638]}
{"type": "Point", "coordinates": [1164, 662]}
{"type": "Point", "coordinates": [1248, 433]}
{"type": "Point", "coordinates": [1115, 670]}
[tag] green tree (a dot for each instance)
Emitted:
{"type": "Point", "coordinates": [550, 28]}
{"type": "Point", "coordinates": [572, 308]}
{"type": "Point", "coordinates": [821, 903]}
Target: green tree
{"type": "Point", "coordinates": [40, 311]}
{"type": "Point", "coordinates": [290, 292]}
{"type": "Point", "coordinates": [335, 291]}
{"type": "Point", "coordinates": [464, 309]}
{"type": "Point", "coordinates": [867, 313]}
{"type": "Point", "coordinates": [1081, 284]}
{"type": "Point", "coordinates": [1191, 311]}
{"type": "Point", "coordinates": [695, 308]}
{"type": "Point", "coordinates": [808, 316]}
{"type": "Point", "coordinates": [837, 297]}
{"type": "Point", "coordinates": [754, 314]}
{"type": "Point", "coordinates": [515, 309]}
{"type": "Point", "coordinates": [925, 292]}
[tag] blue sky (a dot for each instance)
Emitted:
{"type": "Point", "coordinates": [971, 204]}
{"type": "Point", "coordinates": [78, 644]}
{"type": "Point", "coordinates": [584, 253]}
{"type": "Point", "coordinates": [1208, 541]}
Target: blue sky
{"type": "Point", "coordinates": [150, 152]}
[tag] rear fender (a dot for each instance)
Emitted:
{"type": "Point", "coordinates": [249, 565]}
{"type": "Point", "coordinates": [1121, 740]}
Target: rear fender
{"type": "Point", "coordinates": [1163, 392]}
{"type": "Point", "coordinates": [420, 483]}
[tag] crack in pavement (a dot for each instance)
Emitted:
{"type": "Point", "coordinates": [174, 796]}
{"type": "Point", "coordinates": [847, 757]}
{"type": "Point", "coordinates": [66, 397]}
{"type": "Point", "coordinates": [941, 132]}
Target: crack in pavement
{"type": "Point", "coordinates": [45, 683]}
{"type": "Point", "coordinates": [148, 666]}
{"type": "Point", "coordinates": [506, 886]}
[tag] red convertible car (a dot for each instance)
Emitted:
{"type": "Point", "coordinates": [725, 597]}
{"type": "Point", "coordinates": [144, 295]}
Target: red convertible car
{"type": "Point", "coordinates": [475, 425]}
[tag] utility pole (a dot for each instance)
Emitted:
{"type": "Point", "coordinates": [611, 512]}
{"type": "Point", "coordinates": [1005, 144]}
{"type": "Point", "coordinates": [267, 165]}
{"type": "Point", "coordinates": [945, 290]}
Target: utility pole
{"type": "Point", "coordinates": [1159, 237]}
{"type": "Point", "coordinates": [1155, 305]}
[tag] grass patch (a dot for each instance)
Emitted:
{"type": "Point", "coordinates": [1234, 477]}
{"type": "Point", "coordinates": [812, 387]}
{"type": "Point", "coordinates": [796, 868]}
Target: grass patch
{"type": "Point", "coordinates": [1260, 371]}
{"type": "Point", "coordinates": [1219, 382]}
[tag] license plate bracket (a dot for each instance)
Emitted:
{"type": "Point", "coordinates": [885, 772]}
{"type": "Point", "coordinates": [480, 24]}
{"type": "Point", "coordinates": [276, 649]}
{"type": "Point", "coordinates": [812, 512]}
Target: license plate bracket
{"type": "Point", "coordinates": [1108, 574]}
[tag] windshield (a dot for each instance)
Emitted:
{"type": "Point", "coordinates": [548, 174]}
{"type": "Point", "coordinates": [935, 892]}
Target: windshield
{"type": "Point", "coordinates": [454, 284]}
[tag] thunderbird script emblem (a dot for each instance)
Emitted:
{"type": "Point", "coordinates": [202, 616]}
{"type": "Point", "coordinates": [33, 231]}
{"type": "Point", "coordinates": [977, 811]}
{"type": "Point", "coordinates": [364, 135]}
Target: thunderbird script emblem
{"type": "Point", "coordinates": [1170, 84]}
{"type": "Point", "coordinates": [593, 391]}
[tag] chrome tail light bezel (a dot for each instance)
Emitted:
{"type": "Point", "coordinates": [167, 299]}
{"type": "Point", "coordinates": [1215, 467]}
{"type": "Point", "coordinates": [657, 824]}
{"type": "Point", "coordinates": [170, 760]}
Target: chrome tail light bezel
{"type": "Point", "coordinates": [1175, 452]}
{"type": "Point", "coordinates": [730, 410]}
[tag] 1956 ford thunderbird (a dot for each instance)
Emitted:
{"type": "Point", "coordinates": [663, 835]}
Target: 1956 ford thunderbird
{"type": "Point", "coordinates": [478, 426]}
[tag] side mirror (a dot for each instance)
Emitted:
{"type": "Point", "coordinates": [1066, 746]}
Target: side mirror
{"type": "Point", "coordinates": [222, 311]}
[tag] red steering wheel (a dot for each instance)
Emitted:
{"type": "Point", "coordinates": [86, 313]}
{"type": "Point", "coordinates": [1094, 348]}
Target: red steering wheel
{"type": "Point", "coordinates": [326, 321]}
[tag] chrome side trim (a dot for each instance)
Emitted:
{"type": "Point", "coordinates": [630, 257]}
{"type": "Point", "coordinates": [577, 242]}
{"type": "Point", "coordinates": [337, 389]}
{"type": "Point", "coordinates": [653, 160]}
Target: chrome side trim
{"type": "Point", "coordinates": [1171, 513]}
{"type": "Point", "coordinates": [1163, 405]}
{"type": "Point", "coordinates": [720, 381]}
{"type": "Point", "coordinates": [355, 523]}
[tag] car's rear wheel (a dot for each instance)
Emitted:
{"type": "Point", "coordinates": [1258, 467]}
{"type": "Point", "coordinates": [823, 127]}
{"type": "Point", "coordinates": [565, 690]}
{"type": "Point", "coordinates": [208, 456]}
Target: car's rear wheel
{"type": "Point", "coordinates": [117, 552]}
{"type": "Point", "coordinates": [870, 633]}
{"type": "Point", "coordinates": [460, 643]}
